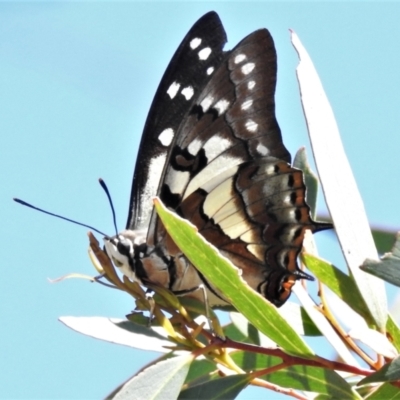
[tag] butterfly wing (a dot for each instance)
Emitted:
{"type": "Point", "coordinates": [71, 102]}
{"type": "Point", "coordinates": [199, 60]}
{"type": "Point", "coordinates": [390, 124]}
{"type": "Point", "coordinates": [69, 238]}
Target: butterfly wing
{"type": "Point", "coordinates": [200, 50]}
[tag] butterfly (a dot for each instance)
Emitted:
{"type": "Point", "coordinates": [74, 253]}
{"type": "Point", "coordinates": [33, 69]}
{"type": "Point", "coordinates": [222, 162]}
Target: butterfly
{"type": "Point", "coordinates": [212, 151]}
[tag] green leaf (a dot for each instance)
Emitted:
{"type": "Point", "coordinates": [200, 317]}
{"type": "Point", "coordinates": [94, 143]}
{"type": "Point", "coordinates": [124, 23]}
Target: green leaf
{"type": "Point", "coordinates": [340, 284]}
{"type": "Point", "coordinates": [232, 332]}
{"type": "Point", "coordinates": [251, 361]}
{"type": "Point", "coordinates": [394, 332]}
{"type": "Point", "coordinates": [226, 279]}
{"type": "Point", "coordinates": [298, 319]}
{"type": "Point", "coordinates": [224, 388]}
{"type": "Point", "coordinates": [160, 381]}
{"type": "Point", "coordinates": [120, 332]}
{"type": "Point", "coordinates": [201, 370]}
{"type": "Point", "coordinates": [388, 268]}
{"type": "Point", "coordinates": [253, 336]}
{"type": "Point", "coordinates": [384, 239]}
{"type": "Point", "coordinates": [388, 373]}
{"type": "Point", "coordinates": [386, 392]}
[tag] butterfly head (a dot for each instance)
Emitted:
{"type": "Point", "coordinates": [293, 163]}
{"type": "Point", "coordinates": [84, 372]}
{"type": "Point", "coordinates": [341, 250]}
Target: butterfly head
{"type": "Point", "coordinates": [124, 250]}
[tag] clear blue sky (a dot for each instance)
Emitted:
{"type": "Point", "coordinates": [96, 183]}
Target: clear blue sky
{"type": "Point", "coordinates": [76, 82]}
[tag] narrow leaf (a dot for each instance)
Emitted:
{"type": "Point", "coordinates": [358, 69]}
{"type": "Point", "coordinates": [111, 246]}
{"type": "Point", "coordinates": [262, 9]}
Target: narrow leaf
{"type": "Point", "coordinates": [224, 388]}
{"type": "Point", "coordinates": [160, 381]}
{"type": "Point", "coordinates": [375, 340]}
{"type": "Point", "coordinates": [201, 370]}
{"type": "Point", "coordinates": [393, 331]}
{"type": "Point", "coordinates": [388, 268]}
{"type": "Point", "coordinates": [226, 279]}
{"type": "Point", "coordinates": [299, 319]}
{"type": "Point", "coordinates": [341, 194]}
{"type": "Point", "coordinates": [340, 284]}
{"type": "Point", "coordinates": [323, 325]}
{"type": "Point", "coordinates": [389, 372]}
{"type": "Point", "coordinates": [120, 332]}
{"type": "Point", "coordinates": [386, 392]}
{"type": "Point", "coordinates": [384, 239]}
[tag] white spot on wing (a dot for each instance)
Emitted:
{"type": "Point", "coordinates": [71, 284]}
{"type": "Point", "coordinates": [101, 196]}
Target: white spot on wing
{"type": "Point", "coordinates": [215, 146]}
{"type": "Point", "coordinates": [287, 200]}
{"type": "Point", "coordinates": [246, 104]}
{"type": "Point", "coordinates": [223, 166]}
{"type": "Point", "coordinates": [194, 43]}
{"type": "Point", "coordinates": [204, 53]}
{"type": "Point", "coordinates": [188, 92]}
{"type": "Point", "coordinates": [206, 103]}
{"type": "Point", "coordinates": [177, 180]}
{"type": "Point", "coordinates": [270, 170]}
{"type": "Point", "coordinates": [194, 147]}
{"type": "Point", "coordinates": [166, 136]}
{"type": "Point", "coordinates": [251, 84]}
{"type": "Point", "coordinates": [210, 70]}
{"type": "Point", "coordinates": [239, 58]}
{"type": "Point", "coordinates": [262, 149]}
{"type": "Point", "coordinates": [247, 68]}
{"type": "Point", "coordinates": [251, 126]}
{"type": "Point", "coordinates": [173, 89]}
{"type": "Point", "coordinates": [221, 106]}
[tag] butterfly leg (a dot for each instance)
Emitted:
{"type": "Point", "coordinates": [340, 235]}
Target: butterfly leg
{"type": "Point", "coordinates": [205, 301]}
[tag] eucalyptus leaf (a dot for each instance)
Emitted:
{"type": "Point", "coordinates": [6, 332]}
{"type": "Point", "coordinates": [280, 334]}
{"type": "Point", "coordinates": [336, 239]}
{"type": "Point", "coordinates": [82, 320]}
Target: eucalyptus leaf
{"type": "Point", "coordinates": [341, 194]}
{"type": "Point", "coordinates": [233, 333]}
{"type": "Point", "coordinates": [226, 279]}
{"type": "Point", "coordinates": [224, 388]}
{"type": "Point", "coordinates": [393, 331]}
{"type": "Point", "coordinates": [299, 319]}
{"type": "Point", "coordinates": [388, 373]}
{"type": "Point", "coordinates": [340, 284]}
{"type": "Point", "coordinates": [201, 370]}
{"type": "Point", "coordinates": [120, 332]}
{"type": "Point", "coordinates": [388, 268]}
{"type": "Point", "coordinates": [160, 381]}
{"type": "Point", "coordinates": [386, 392]}
{"type": "Point", "coordinates": [384, 239]}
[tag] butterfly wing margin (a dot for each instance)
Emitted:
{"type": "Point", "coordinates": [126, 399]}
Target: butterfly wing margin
{"type": "Point", "coordinates": [201, 49]}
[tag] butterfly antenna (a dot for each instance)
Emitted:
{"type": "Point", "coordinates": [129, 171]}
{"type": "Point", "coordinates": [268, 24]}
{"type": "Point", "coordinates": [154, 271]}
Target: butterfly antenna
{"type": "Point", "coordinates": [105, 188]}
{"type": "Point", "coordinates": [24, 203]}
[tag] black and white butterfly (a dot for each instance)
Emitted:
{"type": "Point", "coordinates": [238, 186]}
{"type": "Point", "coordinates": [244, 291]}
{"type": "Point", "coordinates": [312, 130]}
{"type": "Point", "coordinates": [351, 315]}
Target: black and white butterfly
{"type": "Point", "coordinates": [212, 151]}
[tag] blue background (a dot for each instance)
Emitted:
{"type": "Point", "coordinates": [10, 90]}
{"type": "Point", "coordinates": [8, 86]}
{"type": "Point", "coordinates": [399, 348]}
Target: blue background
{"type": "Point", "coordinates": [76, 83]}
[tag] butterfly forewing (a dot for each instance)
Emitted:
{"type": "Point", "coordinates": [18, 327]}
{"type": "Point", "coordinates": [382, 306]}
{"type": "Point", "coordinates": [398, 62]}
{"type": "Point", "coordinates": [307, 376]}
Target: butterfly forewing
{"type": "Point", "coordinates": [190, 68]}
{"type": "Point", "coordinates": [232, 120]}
